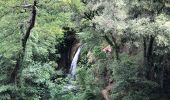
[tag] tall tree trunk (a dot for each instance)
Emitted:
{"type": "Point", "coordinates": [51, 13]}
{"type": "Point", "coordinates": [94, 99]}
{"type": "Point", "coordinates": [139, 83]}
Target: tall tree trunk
{"type": "Point", "coordinates": [144, 48]}
{"type": "Point", "coordinates": [148, 57]}
{"type": "Point", "coordinates": [145, 56]}
{"type": "Point", "coordinates": [15, 75]}
{"type": "Point", "coordinates": [150, 47]}
{"type": "Point", "coordinates": [15, 78]}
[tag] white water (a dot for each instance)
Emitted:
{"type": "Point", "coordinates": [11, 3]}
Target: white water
{"type": "Point", "coordinates": [71, 75]}
{"type": "Point", "coordinates": [74, 63]}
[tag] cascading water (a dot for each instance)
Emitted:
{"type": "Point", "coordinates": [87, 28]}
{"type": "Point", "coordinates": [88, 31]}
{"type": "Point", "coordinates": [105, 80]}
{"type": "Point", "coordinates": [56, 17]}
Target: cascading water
{"type": "Point", "coordinates": [72, 72]}
{"type": "Point", "coordinates": [74, 63]}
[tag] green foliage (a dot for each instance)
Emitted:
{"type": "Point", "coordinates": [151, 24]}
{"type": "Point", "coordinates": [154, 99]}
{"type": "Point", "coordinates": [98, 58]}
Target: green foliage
{"type": "Point", "coordinates": [128, 82]}
{"type": "Point", "coordinates": [37, 80]}
{"type": "Point", "coordinates": [122, 24]}
{"type": "Point", "coordinates": [39, 65]}
{"type": "Point", "coordinates": [129, 21]}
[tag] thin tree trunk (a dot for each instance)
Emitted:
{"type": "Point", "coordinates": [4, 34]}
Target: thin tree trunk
{"type": "Point", "coordinates": [148, 57]}
{"type": "Point", "coordinates": [144, 47]}
{"type": "Point", "coordinates": [145, 57]}
{"type": "Point", "coordinates": [150, 47]}
{"type": "Point", "coordinates": [116, 48]}
{"type": "Point", "coordinates": [14, 78]}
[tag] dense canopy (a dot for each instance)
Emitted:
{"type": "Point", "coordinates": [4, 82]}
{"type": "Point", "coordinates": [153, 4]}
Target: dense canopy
{"type": "Point", "coordinates": [84, 50]}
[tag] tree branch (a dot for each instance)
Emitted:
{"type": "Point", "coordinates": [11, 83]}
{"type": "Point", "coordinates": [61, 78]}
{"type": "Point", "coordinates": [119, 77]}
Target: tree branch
{"type": "Point", "coordinates": [108, 40]}
{"type": "Point", "coordinates": [25, 35]}
{"type": "Point", "coordinates": [31, 25]}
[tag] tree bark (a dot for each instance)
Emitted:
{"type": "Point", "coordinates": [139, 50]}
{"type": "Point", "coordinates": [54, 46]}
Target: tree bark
{"type": "Point", "coordinates": [148, 57]}
{"type": "Point", "coordinates": [14, 78]}
{"type": "Point", "coordinates": [116, 48]}
{"type": "Point", "coordinates": [144, 48]}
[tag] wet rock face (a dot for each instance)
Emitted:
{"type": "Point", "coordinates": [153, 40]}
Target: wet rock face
{"type": "Point", "coordinates": [68, 48]}
{"type": "Point", "coordinates": [74, 49]}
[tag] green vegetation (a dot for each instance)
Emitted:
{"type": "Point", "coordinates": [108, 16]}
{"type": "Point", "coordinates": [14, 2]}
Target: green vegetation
{"type": "Point", "coordinates": [125, 52]}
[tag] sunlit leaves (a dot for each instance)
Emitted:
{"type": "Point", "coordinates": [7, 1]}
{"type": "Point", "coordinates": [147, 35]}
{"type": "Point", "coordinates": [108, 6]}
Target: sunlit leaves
{"type": "Point", "coordinates": [112, 17]}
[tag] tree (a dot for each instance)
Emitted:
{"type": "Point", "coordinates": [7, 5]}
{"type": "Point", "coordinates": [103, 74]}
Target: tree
{"type": "Point", "coordinates": [142, 23]}
{"type": "Point", "coordinates": [24, 47]}
{"type": "Point", "coordinates": [149, 22]}
{"type": "Point", "coordinates": [24, 38]}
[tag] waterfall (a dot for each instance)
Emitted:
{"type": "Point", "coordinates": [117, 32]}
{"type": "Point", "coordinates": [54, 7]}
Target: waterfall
{"type": "Point", "coordinates": [70, 86]}
{"type": "Point", "coordinates": [74, 63]}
